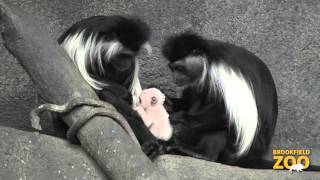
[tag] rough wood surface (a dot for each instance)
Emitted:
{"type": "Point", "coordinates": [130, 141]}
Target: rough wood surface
{"type": "Point", "coordinates": [57, 81]}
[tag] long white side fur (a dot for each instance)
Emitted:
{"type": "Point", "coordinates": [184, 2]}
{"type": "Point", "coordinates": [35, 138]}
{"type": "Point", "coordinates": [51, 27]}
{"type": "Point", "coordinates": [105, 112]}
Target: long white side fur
{"type": "Point", "coordinates": [78, 50]}
{"type": "Point", "coordinates": [135, 87]}
{"type": "Point", "coordinates": [239, 101]}
{"type": "Point", "coordinates": [204, 70]}
{"type": "Point", "coordinates": [81, 51]}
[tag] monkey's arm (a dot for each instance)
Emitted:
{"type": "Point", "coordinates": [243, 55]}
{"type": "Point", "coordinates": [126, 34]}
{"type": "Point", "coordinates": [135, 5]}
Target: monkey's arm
{"type": "Point", "coordinates": [171, 104]}
{"type": "Point", "coordinates": [131, 116]}
{"type": "Point", "coordinates": [143, 114]}
{"type": "Point", "coordinates": [175, 104]}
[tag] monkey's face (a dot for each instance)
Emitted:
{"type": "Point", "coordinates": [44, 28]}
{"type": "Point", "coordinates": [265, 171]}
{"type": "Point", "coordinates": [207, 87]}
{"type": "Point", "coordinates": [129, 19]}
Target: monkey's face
{"type": "Point", "coordinates": [123, 61]}
{"type": "Point", "coordinates": [187, 71]}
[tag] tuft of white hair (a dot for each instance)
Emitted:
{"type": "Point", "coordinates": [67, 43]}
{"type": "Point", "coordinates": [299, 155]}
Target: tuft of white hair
{"type": "Point", "coordinates": [135, 87]}
{"type": "Point", "coordinates": [240, 103]}
{"type": "Point", "coordinates": [204, 71]}
{"type": "Point", "coordinates": [83, 51]}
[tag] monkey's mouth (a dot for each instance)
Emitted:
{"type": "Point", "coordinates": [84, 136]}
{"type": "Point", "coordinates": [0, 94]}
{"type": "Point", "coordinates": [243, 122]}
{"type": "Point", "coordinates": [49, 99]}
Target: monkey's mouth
{"type": "Point", "coordinates": [181, 82]}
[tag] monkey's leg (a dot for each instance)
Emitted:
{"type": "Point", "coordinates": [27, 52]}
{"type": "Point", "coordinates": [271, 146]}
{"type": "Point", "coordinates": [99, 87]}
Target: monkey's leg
{"type": "Point", "coordinates": [185, 151]}
{"type": "Point", "coordinates": [213, 144]}
{"type": "Point", "coordinates": [209, 147]}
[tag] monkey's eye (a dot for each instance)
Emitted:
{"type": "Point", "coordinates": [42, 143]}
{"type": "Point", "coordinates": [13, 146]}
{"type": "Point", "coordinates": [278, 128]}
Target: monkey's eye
{"type": "Point", "coordinates": [179, 68]}
{"type": "Point", "coordinates": [196, 52]}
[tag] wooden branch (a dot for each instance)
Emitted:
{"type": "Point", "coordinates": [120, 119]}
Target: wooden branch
{"type": "Point", "coordinates": [57, 81]}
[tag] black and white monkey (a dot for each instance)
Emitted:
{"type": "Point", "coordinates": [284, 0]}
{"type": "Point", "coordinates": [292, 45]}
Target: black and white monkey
{"type": "Point", "coordinates": [104, 49]}
{"type": "Point", "coordinates": [229, 100]}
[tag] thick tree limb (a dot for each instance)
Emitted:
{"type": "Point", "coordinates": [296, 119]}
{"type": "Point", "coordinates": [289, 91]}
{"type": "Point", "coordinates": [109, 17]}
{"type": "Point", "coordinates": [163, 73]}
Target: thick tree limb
{"type": "Point", "coordinates": [57, 81]}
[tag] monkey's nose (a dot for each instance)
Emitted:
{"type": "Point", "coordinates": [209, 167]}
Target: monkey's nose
{"type": "Point", "coordinates": [147, 47]}
{"type": "Point", "coordinates": [171, 66]}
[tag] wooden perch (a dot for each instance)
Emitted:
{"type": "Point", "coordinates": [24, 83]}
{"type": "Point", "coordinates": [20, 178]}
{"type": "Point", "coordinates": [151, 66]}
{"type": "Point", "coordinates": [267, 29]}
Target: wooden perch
{"type": "Point", "coordinates": [57, 81]}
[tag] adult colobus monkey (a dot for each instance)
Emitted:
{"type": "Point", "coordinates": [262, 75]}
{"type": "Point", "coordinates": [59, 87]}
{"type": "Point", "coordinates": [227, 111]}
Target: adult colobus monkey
{"type": "Point", "coordinates": [229, 100]}
{"type": "Point", "coordinates": [104, 49]}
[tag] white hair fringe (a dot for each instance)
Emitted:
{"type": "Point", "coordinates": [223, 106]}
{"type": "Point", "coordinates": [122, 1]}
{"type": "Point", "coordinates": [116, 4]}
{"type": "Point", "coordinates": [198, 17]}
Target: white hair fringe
{"type": "Point", "coordinates": [81, 51]}
{"type": "Point", "coordinates": [239, 99]}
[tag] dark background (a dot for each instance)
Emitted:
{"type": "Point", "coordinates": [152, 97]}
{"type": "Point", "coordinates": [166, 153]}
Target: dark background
{"type": "Point", "coordinates": [284, 34]}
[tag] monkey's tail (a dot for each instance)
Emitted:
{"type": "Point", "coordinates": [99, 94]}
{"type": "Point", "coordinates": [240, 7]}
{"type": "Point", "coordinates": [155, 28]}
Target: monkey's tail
{"type": "Point", "coordinates": [266, 164]}
{"type": "Point", "coordinates": [260, 164]}
{"type": "Point", "coordinates": [313, 168]}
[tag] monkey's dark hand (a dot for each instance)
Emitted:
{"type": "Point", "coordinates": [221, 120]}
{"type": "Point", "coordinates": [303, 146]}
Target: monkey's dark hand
{"type": "Point", "coordinates": [153, 148]}
{"type": "Point", "coordinates": [173, 104]}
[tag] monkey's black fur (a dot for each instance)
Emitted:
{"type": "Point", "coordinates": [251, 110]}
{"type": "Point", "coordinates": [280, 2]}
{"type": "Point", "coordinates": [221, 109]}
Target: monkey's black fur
{"type": "Point", "coordinates": [131, 32]}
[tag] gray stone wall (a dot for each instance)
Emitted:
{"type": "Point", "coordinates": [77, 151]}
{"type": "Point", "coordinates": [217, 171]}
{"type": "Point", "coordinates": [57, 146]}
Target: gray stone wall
{"type": "Point", "coordinates": [284, 34]}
